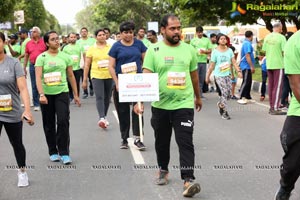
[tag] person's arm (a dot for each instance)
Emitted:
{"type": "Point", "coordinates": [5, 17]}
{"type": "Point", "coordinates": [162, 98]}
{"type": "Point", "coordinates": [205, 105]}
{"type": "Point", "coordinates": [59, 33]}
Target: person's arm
{"type": "Point", "coordinates": [249, 61]}
{"type": "Point", "coordinates": [72, 81]}
{"type": "Point", "coordinates": [12, 52]}
{"type": "Point", "coordinates": [237, 68]}
{"type": "Point", "coordinates": [210, 69]}
{"type": "Point", "coordinates": [86, 69]}
{"type": "Point", "coordinates": [112, 71]}
{"type": "Point", "coordinates": [38, 77]}
{"type": "Point", "coordinates": [26, 57]}
{"type": "Point", "coordinates": [22, 86]}
{"type": "Point", "coordinates": [195, 81]}
{"type": "Point", "coordinates": [294, 80]}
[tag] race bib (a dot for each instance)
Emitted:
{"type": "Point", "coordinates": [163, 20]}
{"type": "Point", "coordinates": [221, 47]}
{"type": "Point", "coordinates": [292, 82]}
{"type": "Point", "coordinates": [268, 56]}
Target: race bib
{"type": "Point", "coordinates": [75, 58]}
{"type": "Point", "coordinates": [176, 80]}
{"type": "Point", "coordinates": [102, 64]}
{"type": "Point", "coordinates": [129, 68]}
{"type": "Point", "coordinates": [201, 49]}
{"type": "Point", "coordinates": [53, 78]}
{"type": "Point", "coordinates": [224, 67]}
{"type": "Point", "coordinates": [5, 102]}
{"type": "Point", "coordinates": [86, 47]}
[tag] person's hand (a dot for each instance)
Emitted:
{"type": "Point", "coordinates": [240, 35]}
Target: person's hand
{"type": "Point", "coordinates": [198, 104]}
{"type": "Point", "coordinates": [240, 75]}
{"type": "Point", "coordinates": [43, 99]}
{"type": "Point", "coordinates": [252, 70]}
{"type": "Point", "coordinates": [27, 116]}
{"type": "Point", "coordinates": [138, 110]}
{"type": "Point", "coordinates": [207, 81]}
{"type": "Point", "coordinates": [77, 101]}
{"type": "Point", "coordinates": [232, 77]}
{"type": "Point", "coordinates": [84, 84]}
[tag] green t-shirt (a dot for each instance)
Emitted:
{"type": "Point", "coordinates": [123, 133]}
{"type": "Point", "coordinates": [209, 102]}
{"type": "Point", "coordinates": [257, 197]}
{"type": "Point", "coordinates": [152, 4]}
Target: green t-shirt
{"type": "Point", "coordinates": [201, 43]}
{"type": "Point", "coordinates": [23, 47]}
{"type": "Point", "coordinates": [85, 44]}
{"type": "Point", "coordinates": [146, 42]}
{"type": "Point", "coordinates": [15, 47]}
{"type": "Point", "coordinates": [75, 52]}
{"type": "Point", "coordinates": [292, 66]}
{"type": "Point", "coordinates": [173, 65]}
{"type": "Point", "coordinates": [273, 46]}
{"type": "Point", "coordinates": [54, 77]}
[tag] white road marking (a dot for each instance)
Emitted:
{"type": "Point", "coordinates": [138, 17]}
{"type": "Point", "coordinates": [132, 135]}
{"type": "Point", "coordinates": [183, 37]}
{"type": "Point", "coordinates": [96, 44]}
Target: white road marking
{"type": "Point", "coordinates": [136, 154]}
{"type": "Point", "coordinates": [261, 104]}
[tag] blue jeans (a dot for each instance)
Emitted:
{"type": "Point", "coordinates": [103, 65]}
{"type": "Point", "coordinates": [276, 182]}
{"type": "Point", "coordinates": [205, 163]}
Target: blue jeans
{"type": "Point", "coordinates": [35, 93]}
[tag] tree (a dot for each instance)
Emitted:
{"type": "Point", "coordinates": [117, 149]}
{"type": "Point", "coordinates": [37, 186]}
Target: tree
{"type": "Point", "coordinates": [7, 10]}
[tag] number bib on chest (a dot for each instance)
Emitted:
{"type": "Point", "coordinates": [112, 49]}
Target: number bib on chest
{"type": "Point", "coordinates": [102, 64]}
{"type": "Point", "coordinates": [5, 102]}
{"type": "Point", "coordinates": [129, 68]}
{"type": "Point", "coordinates": [176, 80]}
{"type": "Point", "coordinates": [224, 67]}
{"type": "Point", "coordinates": [53, 78]}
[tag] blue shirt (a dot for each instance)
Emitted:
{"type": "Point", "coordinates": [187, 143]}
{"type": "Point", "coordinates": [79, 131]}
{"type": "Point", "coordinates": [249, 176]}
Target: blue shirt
{"type": "Point", "coordinates": [246, 48]}
{"type": "Point", "coordinates": [127, 54]}
{"type": "Point", "coordinates": [264, 65]}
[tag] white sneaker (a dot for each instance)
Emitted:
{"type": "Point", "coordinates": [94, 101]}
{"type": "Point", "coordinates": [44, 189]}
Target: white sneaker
{"type": "Point", "coordinates": [242, 101]}
{"type": "Point", "coordinates": [251, 101]}
{"type": "Point", "coordinates": [22, 179]}
{"type": "Point", "coordinates": [106, 123]}
{"type": "Point", "coordinates": [36, 108]}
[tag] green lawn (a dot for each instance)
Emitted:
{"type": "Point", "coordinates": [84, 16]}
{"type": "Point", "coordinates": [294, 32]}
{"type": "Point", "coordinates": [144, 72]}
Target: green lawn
{"type": "Point", "coordinates": [257, 75]}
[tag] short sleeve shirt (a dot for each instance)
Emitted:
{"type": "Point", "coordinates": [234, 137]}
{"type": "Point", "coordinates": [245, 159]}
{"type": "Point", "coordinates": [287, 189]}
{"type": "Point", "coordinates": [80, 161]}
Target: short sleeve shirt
{"type": "Point", "coordinates": [128, 58]}
{"type": "Point", "coordinates": [247, 48]}
{"type": "Point", "coordinates": [273, 46]}
{"type": "Point", "coordinates": [100, 59]}
{"type": "Point", "coordinates": [10, 104]}
{"type": "Point", "coordinates": [222, 62]}
{"type": "Point", "coordinates": [201, 43]}
{"type": "Point", "coordinates": [292, 66]}
{"type": "Point", "coordinates": [173, 65]}
{"type": "Point", "coordinates": [54, 76]}
{"type": "Point", "coordinates": [74, 50]}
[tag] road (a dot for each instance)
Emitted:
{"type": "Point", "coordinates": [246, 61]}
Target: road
{"type": "Point", "coordinates": [238, 159]}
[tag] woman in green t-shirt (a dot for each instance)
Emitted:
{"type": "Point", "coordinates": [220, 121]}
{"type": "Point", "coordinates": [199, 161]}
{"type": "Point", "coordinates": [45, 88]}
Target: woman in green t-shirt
{"type": "Point", "coordinates": [52, 69]}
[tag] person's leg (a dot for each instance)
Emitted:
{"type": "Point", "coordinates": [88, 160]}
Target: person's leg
{"type": "Point", "coordinates": [160, 122]}
{"type": "Point", "coordinates": [35, 93]}
{"type": "Point", "coordinates": [263, 84]}
{"type": "Point", "coordinates": [224, 84]}
{"type": "Point", "coordinates": [108, 83]}
{"type": "Point", "coordinates": [91, 85]}
{"type": "Point", "coordinates": [62, 109]}
{"type": "Point", "coordinates": [78, 75]}
{"type": "Point", "coordinates": [285, 91]}
{"type": "Point", "coordinates": [270, 88]}
{"type": "Point", "coordinates": [202, 74]}
{"type": "Point", "coordinates": [49, 124]}
{"type": "Point", "coordinates": [248, 84]}
{"type": "Point", "coordinates": [277, 90]}
{"type": "Point", "coordinates": [14, 133]}
{"type": "Point", "coordinates": [99, 93]}
{"type": "Point", "coordinates": [290, 141]}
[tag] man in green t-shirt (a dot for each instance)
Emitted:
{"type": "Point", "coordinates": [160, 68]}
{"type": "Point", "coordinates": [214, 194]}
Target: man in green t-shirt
{"type": "Point", "coordinates": [290, 137]}
{"type": "Point", "coordinates": [85, 42]}
{"type": "Point", "coordinates": [13, 48]}
{"type": "Point", "coordinates": [176, 65]}
{"type": "Point", "coordinates": [203, 48]}
{"type": "Point", "coordinates": [274, 46]}
{"type": "Point", "coordinates": [74, 50]}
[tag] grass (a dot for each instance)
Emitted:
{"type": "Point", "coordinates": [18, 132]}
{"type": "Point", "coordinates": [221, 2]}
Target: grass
{"type": "Point", "coordinates": [257, 75]}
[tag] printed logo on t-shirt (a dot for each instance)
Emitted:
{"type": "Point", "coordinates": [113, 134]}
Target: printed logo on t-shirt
{"type": "Point", "coordinates": [51, 64]}
{"type": "Point", "coordinates": [75, 58]}
{"type": "Point", "coordinates": [129, 68]}
{"type": "Point", "coordinates": [52, 78]}
{"type": "Point", "coordinates": [5, 102]}
{"type": "Point", "coordinates": [102, 64]}
{"type": "Point", "coordinates": [176, 80]}
{"type": "Point", "coordinates": [169, 60]}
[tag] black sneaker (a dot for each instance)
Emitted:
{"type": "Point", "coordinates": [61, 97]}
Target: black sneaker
{"type": "Point", "coordinates": [139, 145]}
{"type": "Point", "coordinates": [85, 96]}
{"type": "Point", "coordinates": [277, 112]}
{"type": "Point", "coordinates": [190, 188]}
{"type": "Point", "coordinates": [91, 92]}
{"type": "Point", "coordinates": [162, 178]}
{"type": "Point", "coordinates": [225, 115]}
{"type": "Point", "coordinates": [124, 145]}
{"type": "Point", "coordinates": [221, 110]}
{"type": "Point", "coordinates": [281, 194]}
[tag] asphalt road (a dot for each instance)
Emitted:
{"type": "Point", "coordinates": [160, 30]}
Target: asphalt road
{"type": "Point", "coordinates": [238, 159]}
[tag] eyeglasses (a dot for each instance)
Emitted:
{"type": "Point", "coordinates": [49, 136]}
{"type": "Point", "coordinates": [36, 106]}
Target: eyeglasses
{"type": "Point", "coordinates": [54, 39]}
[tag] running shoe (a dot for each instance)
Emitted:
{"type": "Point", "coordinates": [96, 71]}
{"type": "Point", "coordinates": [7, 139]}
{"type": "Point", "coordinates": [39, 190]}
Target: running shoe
{"type": "Point", "coordinates": [66, 159]}
{"type": "Point", "coordinates": [262, 98]}
{"type": "Point", "coordinates": [91, 92]}
{"type": "Point", "coordinates": [234, 97]}
{"type": "Point", "coordinates": [162, 178]}
{"type": "Point", "coordinates": [55, 158]}
{"type": "Point", "coordinates": [22, 179]}
{"type": "Point", "coordinates": [139, 145]}
{"type": "Point", "coordinates": [221, 110]}
{"type": "Point", "coordinates": [242, 101]}
{"type": "Point", "coordinates": [250, 101]}
{"type": "Point", "coordinates": [225, 115]}
{"type": "Point", "coordinates": [190, 188]}
{"type": "Point", "coordinates": [281, 194]}
{"type": "Point", "coordinates": [102, 123]}
{"type": "Point", "coordinates": [36, 108]}
{"type": "Point", "coordinates": [277, 112]}
{"type": "Point", "coordinates": [85, 96]}
{"type": "Point", "coordinates": [124, 145]}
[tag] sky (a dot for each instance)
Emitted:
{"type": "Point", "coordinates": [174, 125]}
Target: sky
{"type": "Point", "coordinates": [64, 10]}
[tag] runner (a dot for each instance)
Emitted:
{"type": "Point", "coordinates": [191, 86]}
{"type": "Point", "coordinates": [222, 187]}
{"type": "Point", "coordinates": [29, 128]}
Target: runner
{"type": "Point", "coordinates": [12, 86]}
{"type": "Point", "coordinates": [126, 56]}
{"type": "Point", "coordinates": [97, 57]}
{"type": "Point", "coordinates": [222, 59]}
{"type": "Point", "coordinates": [176, 65]}
{"type": "Point", "coordinates": [52, 68]}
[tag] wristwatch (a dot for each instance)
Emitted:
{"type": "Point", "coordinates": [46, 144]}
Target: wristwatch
{"type": "Point", "coordinates": [42, 95]}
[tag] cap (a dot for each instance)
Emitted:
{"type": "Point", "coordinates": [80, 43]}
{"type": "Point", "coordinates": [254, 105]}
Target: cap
{"type": "Point", "coordinates": [13, 36]}
{"type": "Point", "coordinates": [23, 31]}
